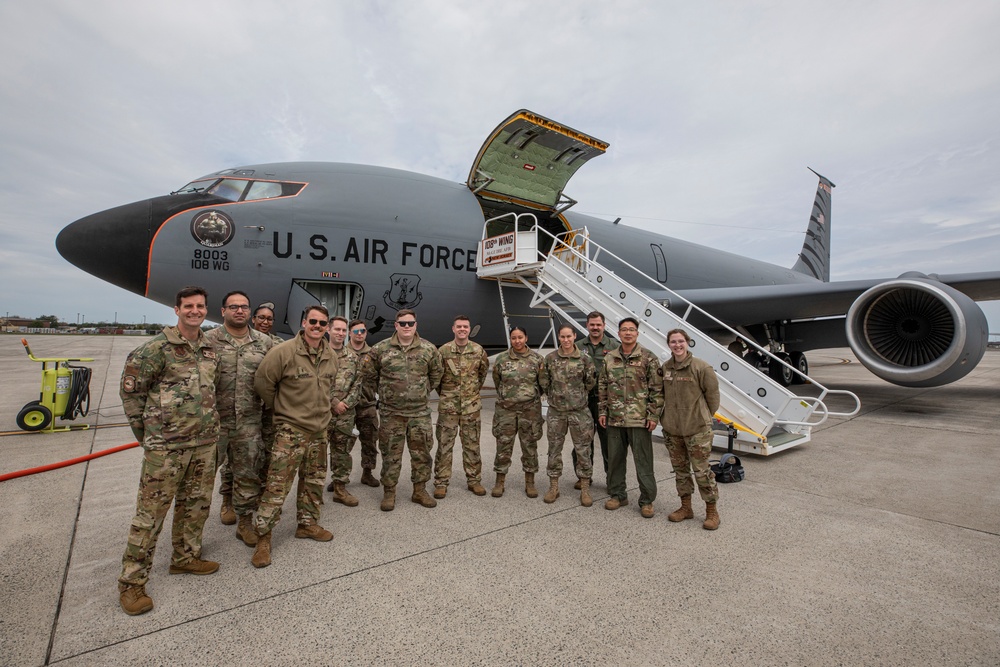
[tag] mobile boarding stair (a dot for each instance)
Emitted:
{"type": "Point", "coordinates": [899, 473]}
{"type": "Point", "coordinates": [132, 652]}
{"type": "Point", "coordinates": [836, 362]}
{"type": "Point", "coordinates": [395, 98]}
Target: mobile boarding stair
{"type": "Point", "coordinates": [767, 417]}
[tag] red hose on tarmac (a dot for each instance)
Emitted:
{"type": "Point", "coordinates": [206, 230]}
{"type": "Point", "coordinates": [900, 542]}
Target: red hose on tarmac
{"type": "Point", "coordinates": [67, 462]}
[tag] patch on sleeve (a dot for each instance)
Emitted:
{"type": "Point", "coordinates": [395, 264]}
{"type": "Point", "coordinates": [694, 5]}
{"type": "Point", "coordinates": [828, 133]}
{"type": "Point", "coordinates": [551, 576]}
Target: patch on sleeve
{"type": "Point", "coordinates": [128, 384]}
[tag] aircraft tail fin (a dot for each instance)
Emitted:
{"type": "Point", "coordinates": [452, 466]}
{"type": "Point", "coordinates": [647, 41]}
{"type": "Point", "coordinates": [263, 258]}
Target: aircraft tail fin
{"type": "Point", "coordinates": [814, 259]}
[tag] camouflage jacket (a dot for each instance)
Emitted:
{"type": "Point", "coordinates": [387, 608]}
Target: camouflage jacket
{"type": "Point", "coordinates": [631, 388]}
{"type": "Point", "coordinates": [597, 353]}
{"type": "Point", "coordinates": [347, 385]}
{"type": "Point", "coordinates": [404, 377]}
{"type": "Point", "coordinates": [516, 377]}
{"type": "Point", "coordinates": [690, 395]}
{"type": "Point", "coordinates": [168, 392]}
{"type": "Point", "coordinates": [567, 379]}
{"type": "Point", "coordinates": [235, 398]}
{"type": "Point", "coordinates": [295, 381]}
{"type": "Point", "coordinates": [366, 394]}
{"type": "Point", "coordinates": [465, 370]}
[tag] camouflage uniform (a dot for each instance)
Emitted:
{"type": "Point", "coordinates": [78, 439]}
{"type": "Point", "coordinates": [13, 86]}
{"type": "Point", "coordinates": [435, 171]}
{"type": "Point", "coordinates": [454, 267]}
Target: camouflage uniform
{"type": "Point", "coordinates": [518, 409]}
{"type": "Point", "coordinates": [267, 416]}
{"type": "Point", "coordinates": [631, 393]}
{"type": "Point", "coordinates": [567, 380]}
{"type": "Point", "coordinates": [295, 380]}
{"type": "Point", "coordinates": [240, 443]}
{"type": "Point", "coordinates": [404, 378]}
{"type": "Point", "coordinates": [168, 393]}
{"type": "Point", "coordinates": [346, 388]}
{"type": "Point", "coordinates": [460, 405]}
{"type": "Point", "coordinates": [691, 398]}
{"type": "Point", "coordinates": [597, 354]}
{"type": "Point", "coordinates": [366, 416]}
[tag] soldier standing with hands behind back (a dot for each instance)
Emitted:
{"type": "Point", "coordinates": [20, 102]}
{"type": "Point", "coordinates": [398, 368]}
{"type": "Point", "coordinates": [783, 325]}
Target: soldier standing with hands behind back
{"type": "Point", "coordinates": [168, 392]}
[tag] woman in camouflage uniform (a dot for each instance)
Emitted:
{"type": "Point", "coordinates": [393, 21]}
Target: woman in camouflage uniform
{"type": "Point", "coordinates": [518, 410]}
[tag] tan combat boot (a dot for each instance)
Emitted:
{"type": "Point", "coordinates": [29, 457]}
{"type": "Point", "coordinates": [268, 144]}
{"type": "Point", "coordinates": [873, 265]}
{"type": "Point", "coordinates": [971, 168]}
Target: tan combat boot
{"type": "Point", "coordinates": [553, 492]}
{"type": "Point", "coordinates": [368, 479]}
{"type": "Point", "coordinates": [477, 488]}
{"type": "Point", "coordinates": [420, 496]}
{"type": "Point", "coordinates": [194, 566]}
{"type": "Point", "coordinates": [682, 512]}
{"type": "Point", "coordinates": [440, 491]}
{"type": "Point", "coordinates": [579, 485]}
{"type": "Point", "coordinates": [227, 513]}
{"type": "Point", "coordinates": [498, 487]}
{"type": "Point", "coordinates": [262, 552]}
{"type": "Point", "coordinates": [388, 499]}
{"type": "Point", "coordinates": [343, 496]}
{"type": "Point", "coordinates": [134, 600]}
{"type": "Point", "coordinates": [711, 517]}
{"type": "Point", "coordinates": [529, 485]}
{"type": "Point", "coordinates": [245, 531]}
{"type": "Point", "coordinates": [615, 503]}
{"type": "Point", "coordinates": [585, 498]}
{"type": "Point", "coordinates": [313, 532]}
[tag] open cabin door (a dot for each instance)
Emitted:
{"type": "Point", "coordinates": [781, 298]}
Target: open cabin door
{"type": "Point", "coordinates": [525, 164]}
{"type": "Point", "coordinates": [338, 298]}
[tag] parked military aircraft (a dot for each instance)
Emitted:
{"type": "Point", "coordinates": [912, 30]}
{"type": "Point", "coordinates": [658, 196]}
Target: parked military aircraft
{"type": "Point", "coordinates": [369, 241]}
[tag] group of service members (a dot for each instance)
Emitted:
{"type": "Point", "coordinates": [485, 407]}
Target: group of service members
{"type": "Point", "coordinates": [270, 410]}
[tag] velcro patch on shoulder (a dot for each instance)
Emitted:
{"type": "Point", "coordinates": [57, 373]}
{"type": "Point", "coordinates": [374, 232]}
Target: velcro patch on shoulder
{"type": "Point", "coordinates": [128, 384]}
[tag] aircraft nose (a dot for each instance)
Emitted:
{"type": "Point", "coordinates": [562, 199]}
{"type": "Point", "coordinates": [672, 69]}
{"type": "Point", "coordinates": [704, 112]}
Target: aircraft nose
{"type": "Point", "coordinates": [112, 245]}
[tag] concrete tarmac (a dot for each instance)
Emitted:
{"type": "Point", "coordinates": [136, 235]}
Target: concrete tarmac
{"type": "Point", "coordinates": [876, 543]}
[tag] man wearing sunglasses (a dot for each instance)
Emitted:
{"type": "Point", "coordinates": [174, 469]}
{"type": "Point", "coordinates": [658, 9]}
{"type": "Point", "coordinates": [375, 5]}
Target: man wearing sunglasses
{"type": "Point", "coordinates": [295, 379]}
{"type": "Point", "coordinates": [365, 413]}
{"type": "Point", "coordinates": [404, 369]}
{"type": "Point", "coordinates": [239, 350]}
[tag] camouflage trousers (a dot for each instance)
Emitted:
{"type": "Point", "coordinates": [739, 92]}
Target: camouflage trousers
{"type": "Point", "coordinates": [449, 426]}
{"type": "Point", "coordinates": [244, 470]}
{"type": "Point", "coordinates": [691, 452]}
{"type": "Point", "coordinates": [341, 435]}
{"type": "Point", "coordinates": [620, 438]}
{"type": "Point", "coordinates": [366, 421]}
{"type": "Point", "coordinates": [525, 421]}
{"type": "Point", "coordinates": [599, 431]}
{"type": "Point", "coordinates": [184, 477]}
{"type": "Point", "coordinates": [395, 432]}
{"type": "Point", "coordinates": [580, 425]}
{"type": "Point", "coordinates": [294, 451]}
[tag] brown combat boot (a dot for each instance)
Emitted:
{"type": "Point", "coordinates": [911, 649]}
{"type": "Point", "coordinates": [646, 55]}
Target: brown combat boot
{"type": "Point", "coordinates": [585, 498]}
{"type": "Point", "coordinates": [420, 496]}
{"type": "Point", "coordinates": [498, 487]}
{"type": "Point", "coordinates": [647, 511]}
{"type": "Point", "coordinates": [313, 532]}
{"type": "Point", "coordinates": [262, 552]}
{"type": "Point", "coordinates": [388, 499]}
{"type": "Point", "coordinates": [440, 491]}
{"type": "Point", "coordinates": [553, 492]}
{"type": "Point", "coordinates": [134, 600]}
{"type": "Point", "coordinates": [529, 485]}
{"type": "Point", "coordinates": [579, 485]}
{"type": "Point", "coordinates": [682, 512]}
{"type": "Point", "coordinates": [368, 479]}
{"type": "Point", "coordinates": [343, 496]}
{"type": "Point", "coordinates": [245, 531]}
{"type": "Point", "coordinates": [477, 488]}
{"type": "Point", "coordinates": [615, 503]}
{"type": "Point", "coordinates": [711, 517]}
{"type": "Point", "coordinates": [194, 566]}
{"type": "Point", "coordinates": [226, 512]}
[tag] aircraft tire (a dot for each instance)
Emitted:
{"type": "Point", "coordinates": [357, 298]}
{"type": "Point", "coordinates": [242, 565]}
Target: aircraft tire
{"type": "Point", "coordinates": [801, 364]}
{"type": "Point", "coordinates": [33, 417]}
{"type": "Point", "coordinates": [781, 374]}
{"type": "Point", "coordinates": [753, 358]}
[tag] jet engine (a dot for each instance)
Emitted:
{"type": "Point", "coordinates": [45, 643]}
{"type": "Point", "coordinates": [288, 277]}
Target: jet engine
{"type": "Point", "coordinates": [917, 332]}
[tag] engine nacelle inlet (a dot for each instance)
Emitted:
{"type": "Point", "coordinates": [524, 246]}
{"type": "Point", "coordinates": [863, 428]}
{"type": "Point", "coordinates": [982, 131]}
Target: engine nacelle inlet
{"type": "Point", "coordinates": [917, 332]}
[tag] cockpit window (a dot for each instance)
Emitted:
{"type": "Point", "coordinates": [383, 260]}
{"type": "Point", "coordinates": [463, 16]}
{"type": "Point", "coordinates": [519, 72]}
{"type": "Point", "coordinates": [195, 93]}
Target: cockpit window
{"type": "Point", "coordinates": [229, 188]}
{"type": "Point", "coordinates": [238, 189]}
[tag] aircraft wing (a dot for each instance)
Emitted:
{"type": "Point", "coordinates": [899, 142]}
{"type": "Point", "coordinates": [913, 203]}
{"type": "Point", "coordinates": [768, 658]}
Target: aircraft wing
{"type": "Point", "coordinates": [764, 303]}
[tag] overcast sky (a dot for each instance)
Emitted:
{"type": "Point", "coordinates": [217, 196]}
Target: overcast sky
{"type": "Point", "coordinates": [713, 111]}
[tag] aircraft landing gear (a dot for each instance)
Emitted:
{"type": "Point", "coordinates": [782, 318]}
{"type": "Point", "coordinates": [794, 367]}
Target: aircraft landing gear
{"type": "Point", "coordinates": [780, 373]}
{"type": "Point", "coordinates": [798, 360]}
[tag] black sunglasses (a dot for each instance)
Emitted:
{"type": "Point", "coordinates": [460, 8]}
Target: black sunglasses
{"type": "Point", "coordinates": [407, 324]}
{"type": "Point", "coordinates": [321, 323]}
